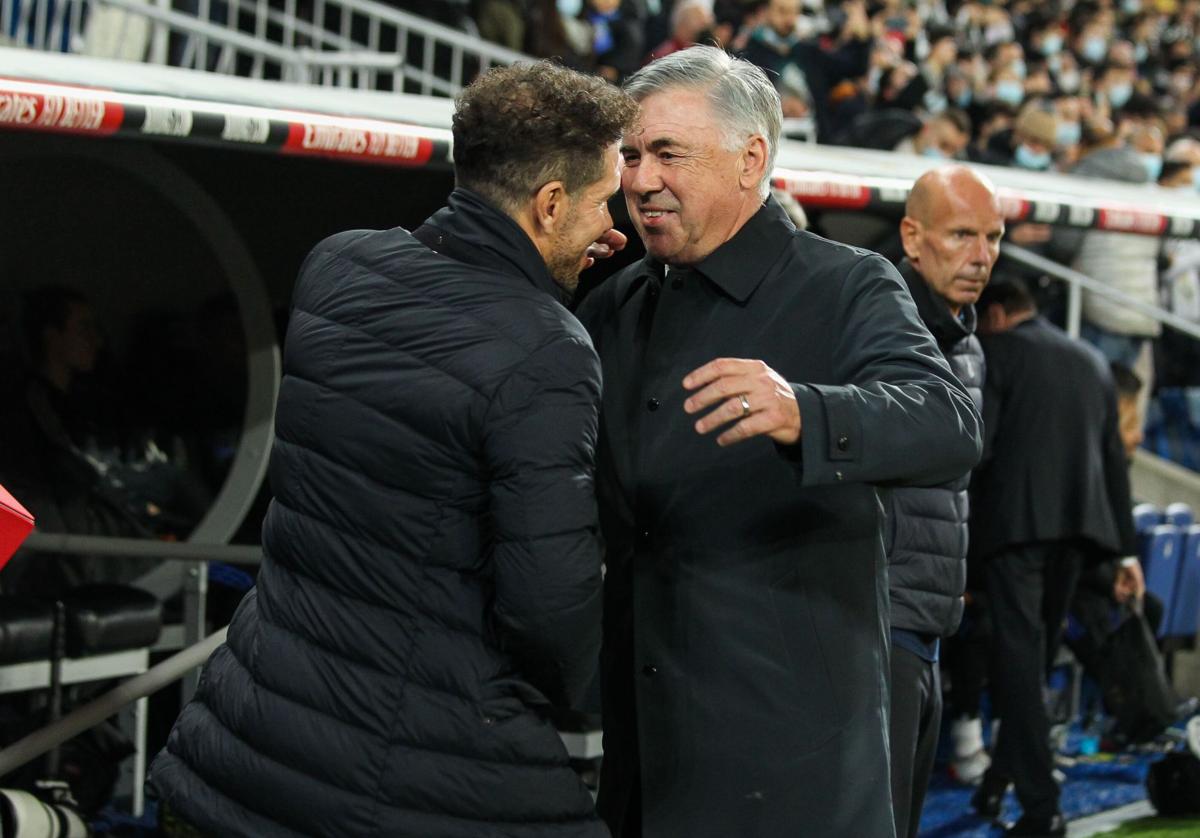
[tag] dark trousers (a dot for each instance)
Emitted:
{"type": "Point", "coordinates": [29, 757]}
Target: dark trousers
{"type": "Point", "coordinates": [916, 717]}
{"type": "Point", "coordinates": [1030, 588]}
{"type": "Point", "coordinates": [966, 658]}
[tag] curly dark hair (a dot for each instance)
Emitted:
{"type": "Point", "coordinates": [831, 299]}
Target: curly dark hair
{"type": "Point", "coordinates": [517, 128]}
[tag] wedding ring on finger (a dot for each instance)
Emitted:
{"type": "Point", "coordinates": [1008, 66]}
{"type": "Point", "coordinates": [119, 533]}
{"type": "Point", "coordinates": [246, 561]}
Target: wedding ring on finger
{"type": "Point", "coordinates": [745, 405]}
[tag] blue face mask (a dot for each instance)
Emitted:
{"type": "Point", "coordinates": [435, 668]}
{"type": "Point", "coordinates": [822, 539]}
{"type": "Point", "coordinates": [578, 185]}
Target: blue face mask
{"type": "Point", "coordinates": [933, 153]}
{"type": "Point", "coordinates": [1068, 133]}
{"type": "Point", "coordinates": [1051, 45]}
{"type": "Point", "coordinates": [1196, 179]}
{"type": "Point", "coordinates": [1010, 91]}
{"type": "Point", "coordinates": [1140, 53]}
{"type": "Point", "coordinates": [1027, 159]}
{"type": "Point", "coordinates": [1153, 165]}
{"type": "Point", "coordinates": [963, 99]}
{"type": "Point", "coordinates": [1094, 48]}
{"type": "Point", "coordinates": [1119, 94]}
{"type": "Point", "coordinates": [1019, 68]}
{"type": "Point", "coordinates": [1131, 7]}
{"type": "Point", "coordinates": [935, 102]}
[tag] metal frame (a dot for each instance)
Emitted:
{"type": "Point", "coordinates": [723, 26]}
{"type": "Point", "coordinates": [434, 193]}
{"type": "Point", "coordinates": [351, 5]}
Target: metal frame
{"type": "Point", "coordinates": [1080, 282]}
{"type": "Point", "coordinates": [345, 43]}
{"type": "Point", "coordinates": [35, 675]}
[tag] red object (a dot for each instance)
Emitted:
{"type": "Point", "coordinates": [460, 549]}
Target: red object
{"type": "Point", "coordinates": [15, 524]}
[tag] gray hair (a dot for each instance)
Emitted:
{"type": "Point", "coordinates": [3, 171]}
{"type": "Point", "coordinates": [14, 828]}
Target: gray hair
{"type": "Point", "coordinates": [738, 90]}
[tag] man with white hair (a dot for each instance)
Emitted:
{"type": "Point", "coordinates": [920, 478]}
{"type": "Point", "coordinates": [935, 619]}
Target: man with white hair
{"type": "Point", "coordinates": [760, 383]}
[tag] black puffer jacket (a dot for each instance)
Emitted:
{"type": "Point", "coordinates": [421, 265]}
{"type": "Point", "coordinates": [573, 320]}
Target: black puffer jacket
{"type": "Point", "coordinates": [430, 556]}
{"type": "Point", "coordinates": [927, 553]}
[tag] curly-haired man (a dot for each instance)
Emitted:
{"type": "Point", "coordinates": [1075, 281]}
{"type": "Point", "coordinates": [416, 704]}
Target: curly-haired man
{"type": "Point", "coordinates": [431, 576]}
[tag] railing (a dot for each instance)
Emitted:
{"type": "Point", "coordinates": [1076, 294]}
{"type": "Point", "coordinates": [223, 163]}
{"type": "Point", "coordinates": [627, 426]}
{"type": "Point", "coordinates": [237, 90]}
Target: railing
{"type": "Point", "coordinates": [341, 43]}
{"type": "Point", "coordinates": [1078, 283]}
{"type": "Point", "coordinates": [191, 560]}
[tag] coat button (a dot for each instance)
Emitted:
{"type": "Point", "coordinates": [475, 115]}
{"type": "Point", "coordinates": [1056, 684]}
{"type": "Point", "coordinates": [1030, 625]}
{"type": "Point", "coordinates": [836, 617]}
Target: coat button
{"type": "Point", "coordinates": [838, 475]}
{"type": "Point", "coordinates": [843, 442]}
{"type": "Point", "coordinates": [489, 720]}
{"type": "Point", "coordinates": [649, 670]}
{"type": "Point", "coordinates": [652, 405]}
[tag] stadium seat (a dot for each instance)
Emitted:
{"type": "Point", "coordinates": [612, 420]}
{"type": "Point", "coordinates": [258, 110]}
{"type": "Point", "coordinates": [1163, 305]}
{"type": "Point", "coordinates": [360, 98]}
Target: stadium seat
{"type": "Point", "coordinates": [1179, 515]}
{"type": "Point", "coordinates": [1161, 547]}
{"type": "Point", "coordinates": [1145, 516]}
{"type": "Point", "coordinates": [1184, 614]}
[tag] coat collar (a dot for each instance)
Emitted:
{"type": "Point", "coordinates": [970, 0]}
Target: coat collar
{"type": "Point", "coordinates": [471, 230]}
{"type": "Point", "coordinates": [738, 266]}
{"type": "Point", "coordinates": [946, 329]}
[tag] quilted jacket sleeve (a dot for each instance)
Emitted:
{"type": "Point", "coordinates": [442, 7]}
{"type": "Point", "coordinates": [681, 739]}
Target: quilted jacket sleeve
{"type": "Point", "coordinates": [540, 448]}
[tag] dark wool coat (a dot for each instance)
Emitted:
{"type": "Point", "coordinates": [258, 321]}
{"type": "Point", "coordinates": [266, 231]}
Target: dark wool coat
{"type": "Point", "coordinates": [431, 571]}
{"type": "Point", "coordinates": [745, 661]}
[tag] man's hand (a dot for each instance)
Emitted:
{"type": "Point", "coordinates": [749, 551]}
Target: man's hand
{"type": "Point", "coordinates": [612, 241]}
{"type": "Point", "coordinates": [748, 393]}
{"type": "Point", "coordinates": [1129, 581]}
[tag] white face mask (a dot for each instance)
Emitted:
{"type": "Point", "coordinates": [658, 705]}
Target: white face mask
{"type": "Point", "coordinates": [873, 77]}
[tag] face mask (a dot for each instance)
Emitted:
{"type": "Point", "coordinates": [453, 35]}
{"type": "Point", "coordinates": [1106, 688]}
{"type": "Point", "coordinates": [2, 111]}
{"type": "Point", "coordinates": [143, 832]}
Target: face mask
{"type": "Point", "coordinates": [1094, 48]}
{"type": "Point", "coordinates": [1010, 91]}
{"type": "Point", "coordinates": [1119, 94]}
{"type": "Point", "coordinates": [569, 9]}
{"type": "Point", "coordinates": [1153, 165]}
{"type": "Point", "coordinates": [1051, 45]}
{"type": "Point", "coordinates": [873, 79]}
{"type": "Point", "coordinates": [1027, 159]}
{"type": "Point", "coordinates": [963, 99]}
{"type": "Point", "coordinates": [1196, 179]}
{"type": "Point", "coordinates": [934, 153]}
{"type": "Point", "coordinates": [1018, 67]}
{"type": "Point", "coordinates": [1069, 82]}
{"type": "Point", "coordinates": [1069, 133]}
{"type": "Point", "coordinates": [1131, 7]}
{"type": "Point", "coordinates": [1141, 53]}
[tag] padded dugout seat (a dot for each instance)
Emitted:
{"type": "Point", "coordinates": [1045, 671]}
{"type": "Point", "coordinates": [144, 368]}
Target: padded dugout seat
{"type": "Point", "coordinates": [1184, 614]}
{"type": "Point", "coordinates": [110, 618]}
{"type": "Point", "coordinates": [1146, 516]}
{"type": "Point", "coordinates": [1179, 515]}
{"type": "Point", "coordinates": [1161, 549]}
{"type": "Point", "coordinates": [26, 629]}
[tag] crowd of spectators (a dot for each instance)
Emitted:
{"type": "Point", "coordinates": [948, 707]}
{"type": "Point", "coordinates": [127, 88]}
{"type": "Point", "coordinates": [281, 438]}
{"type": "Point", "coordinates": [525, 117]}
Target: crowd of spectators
{"type": "Point", "coordinates": [1010, 82]}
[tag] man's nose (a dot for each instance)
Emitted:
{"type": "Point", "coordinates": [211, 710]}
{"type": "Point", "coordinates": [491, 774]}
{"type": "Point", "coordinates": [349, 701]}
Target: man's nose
{"type": "Point", "coordinates": [982, 252]}
{"type": "Point", "coordinates": [643, 179]}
